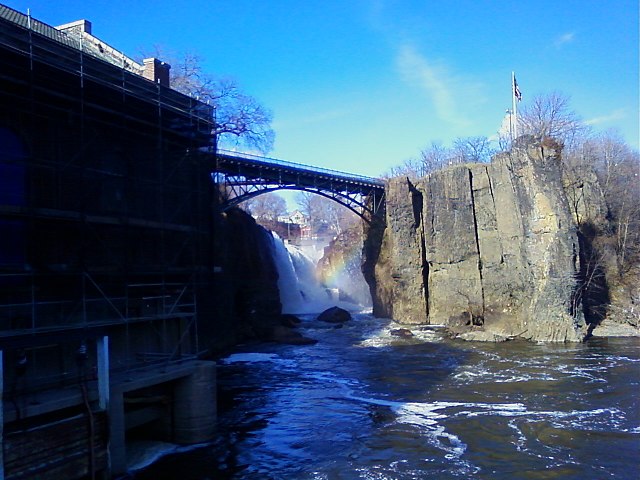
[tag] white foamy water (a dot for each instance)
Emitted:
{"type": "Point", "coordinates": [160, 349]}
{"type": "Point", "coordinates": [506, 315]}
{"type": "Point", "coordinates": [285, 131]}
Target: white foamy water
{"type": "Point", "coordinates": [141, 453]}
{"type": "Point", "coordinates": [391, 334]}
{"type": "Point", "coordinates": [256, 358]}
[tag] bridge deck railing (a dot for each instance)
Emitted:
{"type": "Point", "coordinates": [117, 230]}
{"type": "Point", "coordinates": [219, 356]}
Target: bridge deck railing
{"type": "Point", "coordinates": [260, 160]}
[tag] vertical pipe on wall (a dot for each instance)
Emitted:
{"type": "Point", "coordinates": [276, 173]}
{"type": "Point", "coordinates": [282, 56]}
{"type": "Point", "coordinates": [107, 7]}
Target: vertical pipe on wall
{"type": "Point", "coordinates": [102, 346]}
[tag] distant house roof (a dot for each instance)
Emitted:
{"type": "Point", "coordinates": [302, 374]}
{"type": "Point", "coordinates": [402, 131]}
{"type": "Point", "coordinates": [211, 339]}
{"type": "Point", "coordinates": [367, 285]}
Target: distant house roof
{"type": "Point", "coordinates": [297, 217]}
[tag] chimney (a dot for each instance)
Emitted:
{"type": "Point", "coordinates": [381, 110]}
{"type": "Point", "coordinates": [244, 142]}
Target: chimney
{"type": "Point", "coordinates": [157, 71]}
{"type": "Point", "coordinates": [76, 27]}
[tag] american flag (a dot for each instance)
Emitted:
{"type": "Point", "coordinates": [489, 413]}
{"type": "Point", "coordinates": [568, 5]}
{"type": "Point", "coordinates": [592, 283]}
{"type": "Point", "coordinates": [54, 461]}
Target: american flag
{"type": "Point", "coordinates": [516, 90]}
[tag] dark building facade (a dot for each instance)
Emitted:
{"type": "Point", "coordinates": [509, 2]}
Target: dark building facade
{"type": "Point", "coordinates": [105, 250]}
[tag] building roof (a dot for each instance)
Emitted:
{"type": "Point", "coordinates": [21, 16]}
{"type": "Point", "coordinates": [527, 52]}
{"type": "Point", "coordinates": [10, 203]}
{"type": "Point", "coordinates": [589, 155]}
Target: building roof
{"type": "Point", "coordinates": [71, 35]}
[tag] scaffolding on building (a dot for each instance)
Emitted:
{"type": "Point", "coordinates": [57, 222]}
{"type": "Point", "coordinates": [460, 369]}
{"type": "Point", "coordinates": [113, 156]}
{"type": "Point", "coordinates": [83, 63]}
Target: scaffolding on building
{"type": "Point", "coordinates": [104, 207]}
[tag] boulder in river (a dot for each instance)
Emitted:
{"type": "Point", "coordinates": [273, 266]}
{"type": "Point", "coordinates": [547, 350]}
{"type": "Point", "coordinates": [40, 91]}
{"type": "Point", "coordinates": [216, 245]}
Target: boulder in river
{"type": "Point", "coordinates": [335, 315]}
{"type": "Point", "coordinates": [401, 332]}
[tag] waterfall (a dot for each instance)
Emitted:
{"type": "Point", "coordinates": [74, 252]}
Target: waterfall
{"type": "Point", "coordinates": [300, 291]}
{"type": "Point", "coordinates": [290, 295]}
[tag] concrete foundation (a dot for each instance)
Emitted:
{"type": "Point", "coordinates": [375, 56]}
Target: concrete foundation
{"type": "Point", "coordinates": [194, 405]}
{"type": "Point", "coordinates": [192, 413]}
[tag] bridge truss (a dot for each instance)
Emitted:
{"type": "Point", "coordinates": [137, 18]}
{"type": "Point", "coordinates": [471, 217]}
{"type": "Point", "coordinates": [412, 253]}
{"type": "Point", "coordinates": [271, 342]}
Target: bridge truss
{"type": "Point", "coordinates": [245, 176]}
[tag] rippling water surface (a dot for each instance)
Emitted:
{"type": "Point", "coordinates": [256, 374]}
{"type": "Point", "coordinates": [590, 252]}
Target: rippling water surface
{"type": "Point", "coordinates": [365, 404]}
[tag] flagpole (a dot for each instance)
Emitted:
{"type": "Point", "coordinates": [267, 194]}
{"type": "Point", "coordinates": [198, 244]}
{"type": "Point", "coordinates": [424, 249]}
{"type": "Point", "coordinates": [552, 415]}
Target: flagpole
{"type": "Point", "coordinates": [513, 106]}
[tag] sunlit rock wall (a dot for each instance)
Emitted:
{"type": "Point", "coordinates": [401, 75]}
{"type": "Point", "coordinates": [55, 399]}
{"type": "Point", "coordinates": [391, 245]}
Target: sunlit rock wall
{"type": "Point", "coordinates": [489, 250]}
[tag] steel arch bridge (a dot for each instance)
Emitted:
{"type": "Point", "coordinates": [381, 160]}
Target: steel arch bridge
{"type": "Point", "coordinates": [245, 176]}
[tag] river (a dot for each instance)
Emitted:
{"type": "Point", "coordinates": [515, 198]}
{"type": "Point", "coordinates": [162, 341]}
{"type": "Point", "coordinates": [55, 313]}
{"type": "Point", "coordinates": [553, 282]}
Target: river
{"type": "Point", "coordinates": [365, 403]}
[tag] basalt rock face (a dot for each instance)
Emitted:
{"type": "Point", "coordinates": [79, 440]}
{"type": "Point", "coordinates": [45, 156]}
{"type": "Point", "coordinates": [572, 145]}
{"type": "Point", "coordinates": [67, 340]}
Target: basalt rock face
{"type": "Point", "coordinates": [489, 250]}
{"type": "Point", "coordinates": [394, 263]}
{"type": "Point", "coordinates": [246, 295]}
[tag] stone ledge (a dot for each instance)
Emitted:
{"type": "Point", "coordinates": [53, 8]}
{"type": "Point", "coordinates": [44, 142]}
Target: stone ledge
{"type": "Point", "coordinates": [611, 329]}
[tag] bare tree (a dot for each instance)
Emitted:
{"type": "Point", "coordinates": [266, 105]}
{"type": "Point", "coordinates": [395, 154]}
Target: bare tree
{"type": "Point", "coordinates": [609, 154]}
{"type": "Point", "coordinates": [240, 118]}
{"type": "Point", "coordinates": [305, 202]}
{"type": "Point", "coordinates": [340, 218]}
{"type": "Point", "coordinates": [431, 158]}
{"type": "Point", "coordinates": [618, 170]}
{"type": "Point", "coordinates": [268, 206]}
{"type": "Point", "coordinates": [434, 157]}
{"type": "Point", "coordinates": [472, 149]}
{"type": "Point", "coordinates": [325, 212]}
{"type": "Point", "coordinates": [411, 168]}
{"type": "Point", "coordinates": [550, 115]}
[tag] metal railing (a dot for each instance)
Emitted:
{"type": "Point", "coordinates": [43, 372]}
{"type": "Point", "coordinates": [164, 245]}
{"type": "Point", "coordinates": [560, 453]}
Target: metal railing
{"type": "Point", "coordinates": [261, 160]}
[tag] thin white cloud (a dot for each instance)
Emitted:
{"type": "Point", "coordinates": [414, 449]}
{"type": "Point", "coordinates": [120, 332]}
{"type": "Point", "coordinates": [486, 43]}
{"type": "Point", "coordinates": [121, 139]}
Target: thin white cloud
{"type": "Point", "coordinates": [326, 116]}
{"type": "Point", "coordinates": [617, 114]}
{"type": "Point", "coordinates": [564, 39]}
{"type": "Point", "coordinates": [435, 80]}
{"type": "Point", "coordinates": [314, 117]}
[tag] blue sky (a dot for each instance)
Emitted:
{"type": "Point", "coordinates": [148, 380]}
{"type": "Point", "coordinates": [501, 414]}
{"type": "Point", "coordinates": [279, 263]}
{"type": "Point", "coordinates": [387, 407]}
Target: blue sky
{"type": "Point", "coordinates": [362, 85]}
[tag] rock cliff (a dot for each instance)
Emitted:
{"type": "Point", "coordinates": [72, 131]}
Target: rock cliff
{"type": "Point", "coordinates": [489, 250]}
{"type": "Point", "coordinates": [245, 294]}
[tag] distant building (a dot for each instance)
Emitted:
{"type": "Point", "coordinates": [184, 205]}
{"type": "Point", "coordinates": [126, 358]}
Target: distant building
{"type": "Point", "coordinates": [305, 232]}
{"type": "Point", "coordinates": [296, 217]}
{"type": "Point", "coordinates": [296, 225]}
